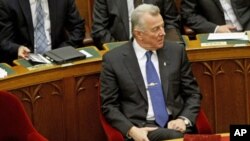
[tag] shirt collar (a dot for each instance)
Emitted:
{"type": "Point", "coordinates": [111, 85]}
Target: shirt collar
{"type": "Point", "coordinates": [140, 51]}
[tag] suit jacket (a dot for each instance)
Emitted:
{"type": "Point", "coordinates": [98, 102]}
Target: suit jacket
{"type": "Point", "coordinates": [123, 92]}
{"type": "Point", "coordinates": [16, 27]}
{"type": "Point", "coordinates": [204, 15]}
{"type": "Point", "coordinates": [111, 21]}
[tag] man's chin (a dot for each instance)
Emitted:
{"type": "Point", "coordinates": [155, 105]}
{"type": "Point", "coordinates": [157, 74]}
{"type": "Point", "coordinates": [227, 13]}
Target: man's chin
{"type": "Point", "coordinates": [160, 45]}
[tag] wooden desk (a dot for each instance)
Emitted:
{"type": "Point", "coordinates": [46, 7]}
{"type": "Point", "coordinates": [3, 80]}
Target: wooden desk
{"type": "Point", "coordinates": [224, 137]}
{"type": "Point", "coordinates": [223, 74]}
{"type": "Point", "coordinates": [230, 51]}
{"type": "Point", "coordinates": [62, 101]}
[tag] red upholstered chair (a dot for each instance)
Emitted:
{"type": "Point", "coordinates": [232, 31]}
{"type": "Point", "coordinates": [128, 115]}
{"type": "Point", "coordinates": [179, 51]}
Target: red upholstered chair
{"type": "Point", "coordinates": [202, 124]}
{"type": "Point", "coordinates": [111, 133]}
{"type": "Point", "coordinates": [15, 124]}
{"type": "Point", "coordinates": [204, 130]}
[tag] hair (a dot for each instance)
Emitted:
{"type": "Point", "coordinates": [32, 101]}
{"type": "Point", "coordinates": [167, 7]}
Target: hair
{"type": "Point", "coordinates": [137, 14]}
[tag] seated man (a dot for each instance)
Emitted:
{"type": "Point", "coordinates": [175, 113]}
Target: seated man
{"type": "Point", "coordinates": [148, 91]}
{"type": "Point", "coordinates": [38, 26]}
{"type": "Point", "coordinates": [111, 20]}
{"type": "Point", "coordinates": [209, 16]}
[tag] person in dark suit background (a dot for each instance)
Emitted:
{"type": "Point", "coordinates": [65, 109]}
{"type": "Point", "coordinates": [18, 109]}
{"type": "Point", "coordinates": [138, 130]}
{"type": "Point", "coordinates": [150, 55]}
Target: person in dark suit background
{"type": "Point", "coordinates": [63, 26]}
{"type": "Point", "coordinates": [111, 20]}
{"type": "Point", "coordinates": [126, 102]}
{"type": "Point", "coordinates": [209, 16]}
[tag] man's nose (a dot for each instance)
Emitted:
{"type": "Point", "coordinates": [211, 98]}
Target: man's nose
{"type": "Point", "coordinates": [162, 31]}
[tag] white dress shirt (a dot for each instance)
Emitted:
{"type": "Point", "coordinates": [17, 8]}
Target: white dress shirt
{"type": "Point", "coordinates": [130, 4]}
{"type": "Point", "coordinates": [142, 59]}
{"type": "Point", "coordinates": [229, 14]}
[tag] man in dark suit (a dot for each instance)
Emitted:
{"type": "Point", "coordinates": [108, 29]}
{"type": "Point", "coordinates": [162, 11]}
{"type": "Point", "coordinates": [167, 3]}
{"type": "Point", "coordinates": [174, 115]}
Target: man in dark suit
{"type": "Point", "coordinates": [63, 26]}
{"type": "Point", "coordinates": [209, 16]}
{"type": "Point", "coordinates": [126, 97]}
{"type": "Point", "coordinates": [111, 20]}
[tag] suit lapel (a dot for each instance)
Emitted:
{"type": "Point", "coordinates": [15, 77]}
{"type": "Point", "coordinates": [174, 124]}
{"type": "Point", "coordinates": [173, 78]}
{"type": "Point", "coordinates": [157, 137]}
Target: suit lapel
{"type": "Point", "coordinates": [164, 64]}
{"type": "Point", "coordinates": [122, 8]}
{"type": "Point", "coordinates": [217, 2]}
{"type": "Point", "coordinates": [132, 65]}
{"type": "Point", "coordinates": [25, 6]}
{"type": "Point", "coordinates": [53, 9]}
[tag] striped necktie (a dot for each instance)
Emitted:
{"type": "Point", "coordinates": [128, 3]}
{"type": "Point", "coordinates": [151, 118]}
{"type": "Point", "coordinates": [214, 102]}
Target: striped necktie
{"type": "Point", "coordinates": [41, 45]}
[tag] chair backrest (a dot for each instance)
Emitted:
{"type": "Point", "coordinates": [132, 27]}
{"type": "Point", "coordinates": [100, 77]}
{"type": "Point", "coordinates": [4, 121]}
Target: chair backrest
{"type": "Point", "coordinates": [85, 8]}
{"type": "Point", "coordinates": [185, 29]}
{"type": "Point", "coordinates": [14, 121]}
{"type": "Point", "coordinates": [202, 124]}
{"type": "Point", "coordinates": [111, 133]}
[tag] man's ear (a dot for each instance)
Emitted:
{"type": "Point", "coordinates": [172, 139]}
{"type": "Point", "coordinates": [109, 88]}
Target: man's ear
{"type": "Point", "coordinates": [138, 34]}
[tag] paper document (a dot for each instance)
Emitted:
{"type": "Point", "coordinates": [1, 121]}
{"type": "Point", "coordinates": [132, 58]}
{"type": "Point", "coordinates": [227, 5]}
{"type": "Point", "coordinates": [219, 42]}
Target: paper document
{"type": "Point", "coordinates": [38, 58]}
{"type": "Point", "coordinates": [222, 43]}
{"type": "Point", "coordinates": [228, 36]}
{"type": "Point", "coordinates": [3, 73]}
{"type": "Point", "coordinates": [86, 53]}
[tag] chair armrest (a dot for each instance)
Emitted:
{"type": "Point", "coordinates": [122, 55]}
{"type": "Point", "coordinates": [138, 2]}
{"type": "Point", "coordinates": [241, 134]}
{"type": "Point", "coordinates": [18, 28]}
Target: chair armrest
{"type": "Point", "coordinates": [111, 133]}
{"type": "Point", "coordinates": [202, 124]}
{"type": "Point", "coordinates": [88, 40]}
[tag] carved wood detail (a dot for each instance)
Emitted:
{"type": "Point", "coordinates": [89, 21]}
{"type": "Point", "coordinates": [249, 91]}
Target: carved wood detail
{"type": "Point", "coordinates": [244, 69]}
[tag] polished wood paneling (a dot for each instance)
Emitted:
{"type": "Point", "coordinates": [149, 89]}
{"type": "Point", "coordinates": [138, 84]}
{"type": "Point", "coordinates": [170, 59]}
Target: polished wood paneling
{"type": "Point", "coordinates": [44, 104]}
{"type": "Point", "coordinates": [62, 102]}
{"type": "Point", "coordinates": [223, 74]}
{"type": "Point", "coordinates": [225, 87]}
